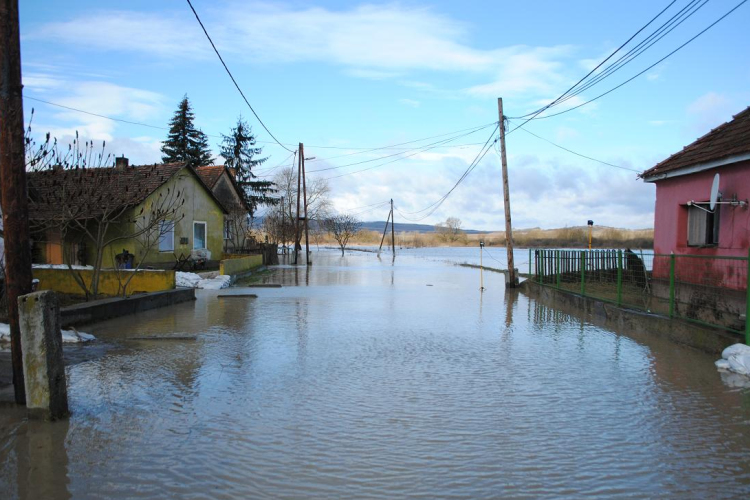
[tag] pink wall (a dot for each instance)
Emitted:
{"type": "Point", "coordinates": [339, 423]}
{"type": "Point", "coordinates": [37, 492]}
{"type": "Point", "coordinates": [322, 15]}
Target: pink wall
{"type": "Point", "coordinates": [670, 225]}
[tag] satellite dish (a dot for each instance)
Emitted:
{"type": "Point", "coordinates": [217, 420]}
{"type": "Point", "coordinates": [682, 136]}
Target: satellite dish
{"type": "Point", "coordinates": [714, 193]}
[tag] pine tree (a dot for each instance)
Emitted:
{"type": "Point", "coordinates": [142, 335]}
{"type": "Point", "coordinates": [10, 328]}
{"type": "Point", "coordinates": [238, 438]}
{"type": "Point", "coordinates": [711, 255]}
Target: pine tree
{"type": "Point", "coordinates": [185, 143]}
{"type": "Point", "coordinates": [240, 154]}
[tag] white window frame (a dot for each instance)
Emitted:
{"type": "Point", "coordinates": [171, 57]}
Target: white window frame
{"type": "Point", "coordinates": [227, 229]}
{"type": "Point", "coordinates": [167, 236]}
{"type": "Point", "coordinates": [205, 235]}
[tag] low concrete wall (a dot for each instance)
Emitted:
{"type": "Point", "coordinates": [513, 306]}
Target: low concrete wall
{"type": "Point", "coordinates": [98, 310]}
{"type": "Point", "coordinates": [632, 322]}
{"type": "Point", "coordinates": [145, 280]}
{"type": "Point", "coordinates": [241, 265]}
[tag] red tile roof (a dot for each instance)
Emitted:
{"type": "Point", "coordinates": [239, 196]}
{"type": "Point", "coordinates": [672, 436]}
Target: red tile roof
{"type": "Point", "coordinates": [90, 192]}
{"type": "Point", "coordinates": [725, 141]}
{"type": "Point", "coordinates": [210, 174]}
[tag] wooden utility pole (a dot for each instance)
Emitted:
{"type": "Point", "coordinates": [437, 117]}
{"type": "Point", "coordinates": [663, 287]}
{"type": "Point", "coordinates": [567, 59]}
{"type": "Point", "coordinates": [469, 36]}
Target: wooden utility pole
{"type": "Point", "coordinates": [304, 195]}
{"type": "Point", "coordinates": [393, 234]}
{"type": "Point", "coordinates": [506, 194]}
{"type": "Point", "coordinates": [297, 235]}
{"type": "Point", "coordinates": [385, 230]}
{"type": "Point", "coordinates": [13, 183]}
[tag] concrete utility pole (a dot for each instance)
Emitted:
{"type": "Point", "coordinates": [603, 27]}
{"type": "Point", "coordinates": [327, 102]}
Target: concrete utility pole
{"type": "Point", "coordinates": [393, 234]}
{"type": "Point", "coordinates": [297, 234]}
{"type": "Point", "coordinates": [13, 183]}
{"type": "Point", "coordinates": [304, 195]}
{"type": "Point", "coordinates": [506, 194]}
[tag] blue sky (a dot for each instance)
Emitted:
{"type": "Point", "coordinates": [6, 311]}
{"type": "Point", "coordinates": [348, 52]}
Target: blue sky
{"type": "Point", "coordinates": [349, 75]}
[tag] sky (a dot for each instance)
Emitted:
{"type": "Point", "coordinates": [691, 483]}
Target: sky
{"type": "Point", "coordinates": [344, 77]}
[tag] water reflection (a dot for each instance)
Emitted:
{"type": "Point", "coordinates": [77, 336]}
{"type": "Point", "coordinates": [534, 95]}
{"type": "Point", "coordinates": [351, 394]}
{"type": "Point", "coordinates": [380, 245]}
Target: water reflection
{"type": "Point", "coordinates": [42, 460]}
{"type": "Point", "coordinates": [364, 382]}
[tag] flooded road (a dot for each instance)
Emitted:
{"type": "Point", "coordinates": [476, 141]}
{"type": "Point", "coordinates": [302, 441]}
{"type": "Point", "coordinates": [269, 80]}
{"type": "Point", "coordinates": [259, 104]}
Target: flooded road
{"type": "Point", "coordinates": [366, 379]}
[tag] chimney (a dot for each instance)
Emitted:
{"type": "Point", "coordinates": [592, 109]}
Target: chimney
{"type": "Point", "coordinates": [121, 163]}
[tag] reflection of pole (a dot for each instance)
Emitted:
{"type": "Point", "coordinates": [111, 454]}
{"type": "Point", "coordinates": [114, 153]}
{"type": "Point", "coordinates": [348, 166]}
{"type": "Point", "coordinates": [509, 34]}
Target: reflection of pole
{"type": "Point", "coordinates": [13, 183]}
{"type": "Point", "coordinates": [481, 266]}
{"type": "Point", "coordinates": [506, 194]}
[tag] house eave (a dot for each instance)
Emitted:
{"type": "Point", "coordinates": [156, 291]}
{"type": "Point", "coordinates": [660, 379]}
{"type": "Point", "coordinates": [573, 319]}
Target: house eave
{"type": "Point", "coordinates": [698, 167]}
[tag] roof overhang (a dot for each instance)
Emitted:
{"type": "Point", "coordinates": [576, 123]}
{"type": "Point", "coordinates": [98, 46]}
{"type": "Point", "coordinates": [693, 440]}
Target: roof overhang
{"type": "Point", "coordinates": [698, 167]}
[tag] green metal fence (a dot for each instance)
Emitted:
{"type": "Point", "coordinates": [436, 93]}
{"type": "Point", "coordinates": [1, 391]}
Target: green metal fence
{"type": "Point", "coordinates": [708, 290]}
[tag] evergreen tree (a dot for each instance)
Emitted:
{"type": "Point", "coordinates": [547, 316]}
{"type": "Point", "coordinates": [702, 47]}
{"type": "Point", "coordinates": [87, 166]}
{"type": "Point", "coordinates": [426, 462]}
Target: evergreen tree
{"type": "Point", "coordinates": [239, 152]}
{"type": "Point", "coordinates": [185, 143]}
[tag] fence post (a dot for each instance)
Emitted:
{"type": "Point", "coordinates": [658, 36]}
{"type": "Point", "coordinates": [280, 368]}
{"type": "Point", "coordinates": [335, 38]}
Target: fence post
{"type": "Point", "coordinates": [619, 277]}
{"type": "Point", "coordinates": [557, 266]}
{"type": "Point", "coordinates": [747, 303]}
{"type": "Point", "coordinates": [671, 284]}
{"type": "Point", "coordinates": [529, 263]}
{"type": "Point", "coordinates": [583, 272]}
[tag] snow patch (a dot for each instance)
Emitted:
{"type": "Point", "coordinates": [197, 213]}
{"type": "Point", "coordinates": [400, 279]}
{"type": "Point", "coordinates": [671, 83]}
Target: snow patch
{"type": "Point", "coordinates": [68, 336]}
{"type": "Point", "coordinates": [736, 359]}
{"type": "Point", "coordinates": [61, 266]}
{"type": "Point", "coordinates": [192, 280]}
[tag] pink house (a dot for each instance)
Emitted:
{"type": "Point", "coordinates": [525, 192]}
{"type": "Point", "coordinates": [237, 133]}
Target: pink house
{"type": "Point", "coordinates": [684, 223]}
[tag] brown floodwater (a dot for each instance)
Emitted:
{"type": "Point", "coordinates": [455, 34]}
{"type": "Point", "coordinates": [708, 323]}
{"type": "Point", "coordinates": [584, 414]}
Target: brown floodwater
{"type": "Point", "coordinates": [363, 378]}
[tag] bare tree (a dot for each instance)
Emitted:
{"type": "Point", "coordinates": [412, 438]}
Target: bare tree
{"type": "Point", "coordinates": [279, 222]}
{"type": "Point", "coordinates": [450, 230]}
{"type": "Point", "coordinates": [342, 227]}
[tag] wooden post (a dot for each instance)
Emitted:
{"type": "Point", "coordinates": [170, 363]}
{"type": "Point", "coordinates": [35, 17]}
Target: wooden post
{"type": "Point", "coordinates": [385, 230]}
{"type": "Point", "coordinates": [393, 233]}
{"type": "Point", "coordinates": [304, 195]}
{"type": "Point", "coordinates": [297, 235]}
{"type": "Point", "coordinates": [15, 203]}
{"type": "Point", "coordinates": [506, 194]}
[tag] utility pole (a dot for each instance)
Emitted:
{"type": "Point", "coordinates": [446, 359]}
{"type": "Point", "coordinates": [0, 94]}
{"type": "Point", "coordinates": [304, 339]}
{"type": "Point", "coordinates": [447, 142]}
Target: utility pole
{"type": "Point", "coordinates": [385, 230]}
{"type": "Point", "coordinates": [511, 283]}
{"type": "Point", "coordinates": [304, 194]}
{"type": "Point", "coordinates": [297, 235]}
{"type": "Point", "coordinates": [13, 183]}
{"type": "Point", "coordinates": [393, 234]}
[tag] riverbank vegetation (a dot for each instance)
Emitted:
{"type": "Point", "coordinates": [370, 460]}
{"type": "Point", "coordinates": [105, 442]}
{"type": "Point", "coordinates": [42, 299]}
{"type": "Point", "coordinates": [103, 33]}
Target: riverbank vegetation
{"type": "Point", "coordinates": [567, 237]}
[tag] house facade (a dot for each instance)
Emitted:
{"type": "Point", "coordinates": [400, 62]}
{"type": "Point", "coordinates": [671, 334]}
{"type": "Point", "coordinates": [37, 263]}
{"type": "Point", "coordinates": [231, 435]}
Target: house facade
{"type": "Point", "coordinates": [220, 180]}
{"type": "Point", "coordinates": [685, 224]}
{"type": "Point", "coordinates": [150, 215]}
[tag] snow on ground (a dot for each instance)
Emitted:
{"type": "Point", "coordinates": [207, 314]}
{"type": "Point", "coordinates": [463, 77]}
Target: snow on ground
{"type": "Point", "coordinates": [736, 359]}
{"type": "Point", "coordinates": [192, 280]}
{"type": "Point", "coordinates": [68, 336]}
{"type": "Point", "coordinates": [60, 266]}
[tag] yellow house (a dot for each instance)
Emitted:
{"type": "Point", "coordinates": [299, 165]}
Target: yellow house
{"type": "Point", "coordinates": [150, 215]}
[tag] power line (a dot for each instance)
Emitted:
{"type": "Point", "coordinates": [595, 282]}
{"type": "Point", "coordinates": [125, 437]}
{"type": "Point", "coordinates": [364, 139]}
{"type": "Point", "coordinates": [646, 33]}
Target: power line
{"type": "Point", "coordinates": [640, 73]}
{"type": "Point", "coordinates": [443, 141]}
{"type": "Point", "coordinates": [579, 154]}
{"type": "Point", "coordinates": [544, 108]}
{"type": "Point", "coordinates": [434, 206]}
{"type": "Point", "coordinates": [233, 80]}
{"type": "Point", "coordinates": [422, 150]}
{"type": "Point", "coordinates": [393, 146]}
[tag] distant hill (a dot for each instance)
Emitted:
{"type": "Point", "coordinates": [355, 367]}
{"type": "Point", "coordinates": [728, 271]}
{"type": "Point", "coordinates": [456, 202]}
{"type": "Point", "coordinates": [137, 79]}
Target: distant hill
{"type": "Point", "coordinates": [378, 226]}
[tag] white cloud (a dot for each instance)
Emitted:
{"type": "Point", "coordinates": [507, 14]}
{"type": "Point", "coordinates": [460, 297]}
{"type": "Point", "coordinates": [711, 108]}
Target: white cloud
{"type": "Point", "coordinates": [709, 111]}
{"type": "Point", "coordinates": [409, 102]}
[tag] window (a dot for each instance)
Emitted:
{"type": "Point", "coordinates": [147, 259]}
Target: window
{"type": "Point", "coordinates": [703, 227]}
{"type": "Point", "coordinates": [199, 235]}
{"type": "Point", "coordinates": [227, 230]}
{"type": "Point", "coordinates": [166, 236]}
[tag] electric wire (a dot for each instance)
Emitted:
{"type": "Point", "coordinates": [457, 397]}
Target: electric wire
{"type": "Point", "coordinates": [544, 108]}
{"type": "Point", "coordinates": [430, 209]}
{"type": "Point", "coordinates": [232, 78]}
{"type": "Point", "coordinates": [443, 141]}
{"type": "Point", "coordinates": [428, 147]}
{"type": "Point", "coordinates": [393, 146]}
{"type": "Point", "coordinates": [579, 154]}
{"type": "Point", "coordinates": [641, 72]}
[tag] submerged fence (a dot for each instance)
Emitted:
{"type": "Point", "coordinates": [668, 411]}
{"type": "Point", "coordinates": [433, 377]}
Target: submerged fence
{"type": "Point", "coordinates": [708, 290]}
